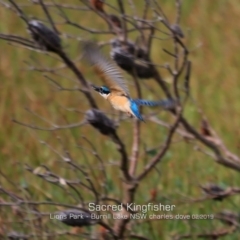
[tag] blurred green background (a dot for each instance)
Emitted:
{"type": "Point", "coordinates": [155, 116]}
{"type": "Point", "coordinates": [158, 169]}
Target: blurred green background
{"type": "Point", "coordinates": [212, 34]}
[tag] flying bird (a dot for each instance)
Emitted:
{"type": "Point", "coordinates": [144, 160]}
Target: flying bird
{"type": "Point", "coordinates": [115, 89]}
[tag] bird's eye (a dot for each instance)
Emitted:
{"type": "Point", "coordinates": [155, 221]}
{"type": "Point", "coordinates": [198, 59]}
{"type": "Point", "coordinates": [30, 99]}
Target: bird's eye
{"type": "Point", "coordinates": [104, 90]}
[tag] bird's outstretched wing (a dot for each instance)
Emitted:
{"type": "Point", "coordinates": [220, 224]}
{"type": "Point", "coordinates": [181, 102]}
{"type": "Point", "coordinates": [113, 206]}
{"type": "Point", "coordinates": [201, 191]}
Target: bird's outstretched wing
{"type": "Point", "coordinates": [107, 69]}
{"type": "Point", "coordinates": [165, 103]}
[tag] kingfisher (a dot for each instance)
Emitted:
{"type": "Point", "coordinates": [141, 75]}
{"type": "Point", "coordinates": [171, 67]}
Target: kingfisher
{"type": "Point", "coordinates": [115, 89]}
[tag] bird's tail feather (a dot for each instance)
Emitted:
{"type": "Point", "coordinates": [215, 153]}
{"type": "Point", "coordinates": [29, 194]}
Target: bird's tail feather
{"type": "Point", "coordinates": [166, 103]}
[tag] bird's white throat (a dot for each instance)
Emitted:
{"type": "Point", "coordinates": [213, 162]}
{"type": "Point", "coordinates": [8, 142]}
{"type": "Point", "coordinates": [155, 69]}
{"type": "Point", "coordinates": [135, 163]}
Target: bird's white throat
{"type": "Point", "coordinates": [104, 95]}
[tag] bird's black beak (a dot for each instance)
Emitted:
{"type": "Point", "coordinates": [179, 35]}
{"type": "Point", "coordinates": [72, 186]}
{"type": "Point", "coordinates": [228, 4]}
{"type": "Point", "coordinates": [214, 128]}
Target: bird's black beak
{"type": "Point", "coordinates": [97, 89]}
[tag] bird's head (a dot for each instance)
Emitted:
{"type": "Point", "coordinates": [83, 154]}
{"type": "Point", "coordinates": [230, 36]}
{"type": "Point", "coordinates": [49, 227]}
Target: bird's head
{"type": "Point", "coordinates": [103, 91]}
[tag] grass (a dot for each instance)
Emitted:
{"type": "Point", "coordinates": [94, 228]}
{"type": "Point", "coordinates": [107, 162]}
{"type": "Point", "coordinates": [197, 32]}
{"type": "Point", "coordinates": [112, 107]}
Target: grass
{"type": "Point", "coordinates": [214, 85]}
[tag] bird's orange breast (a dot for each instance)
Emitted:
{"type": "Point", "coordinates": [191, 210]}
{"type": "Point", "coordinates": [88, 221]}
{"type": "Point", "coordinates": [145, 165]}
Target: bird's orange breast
{"type": "Point", "coordinates": [120, 103]}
